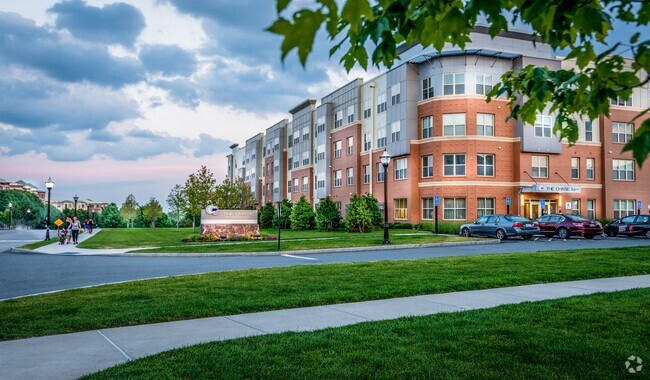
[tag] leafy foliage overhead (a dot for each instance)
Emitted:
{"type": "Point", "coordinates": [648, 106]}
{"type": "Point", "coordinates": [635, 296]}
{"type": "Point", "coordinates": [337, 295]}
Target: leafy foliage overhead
{"type": "Point", "coordinates": [358, 27]}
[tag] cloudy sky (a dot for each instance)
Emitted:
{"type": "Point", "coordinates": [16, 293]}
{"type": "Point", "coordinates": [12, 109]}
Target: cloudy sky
{"type": "Point", "coordinates": [111, 98]}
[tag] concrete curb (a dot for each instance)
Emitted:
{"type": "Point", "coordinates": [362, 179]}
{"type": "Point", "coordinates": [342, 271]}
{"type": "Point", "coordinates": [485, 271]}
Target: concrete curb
{"type": "Point", "coordinates": [274, 253]}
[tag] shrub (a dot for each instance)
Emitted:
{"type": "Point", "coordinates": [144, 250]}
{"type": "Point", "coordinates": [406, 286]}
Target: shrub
{"type": "Point", "coordinates": [302, 215]}
{"type": "Point", "coordinates": [359, 218]}
{"type": "Point", "coordinates": [266, 215]}
{"type": "Point", "coordinates": [400, 226]}
{"type": "Point", "coordinates": [328, 217]}
{"type": "Point", "coordinates": [285, 217]}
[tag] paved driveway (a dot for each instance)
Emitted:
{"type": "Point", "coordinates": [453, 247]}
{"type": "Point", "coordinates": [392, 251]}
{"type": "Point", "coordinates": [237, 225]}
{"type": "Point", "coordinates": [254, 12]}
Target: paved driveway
{"type": "Point", "coordinates": [25, 274]}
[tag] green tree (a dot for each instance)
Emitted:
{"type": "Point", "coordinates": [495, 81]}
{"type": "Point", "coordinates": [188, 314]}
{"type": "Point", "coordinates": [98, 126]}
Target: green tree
{"type": "Point", "coordinates": [576, 27]}
{"type": "Point", "coordinates": [176, 201]}
{"type": "Point", "coordinates": [285, 215]}
{"type": "Point", "coordinates": [359, 217]}
{"type": "Point", "coordinates": [151, 212]}
{"type": "Point", "coordinates": [302, 215]}
{"type": "Point", "coordinates": [234, 195]}
{"type": "Point", "coordinates": [110, 217]}
{"type": "Point", "coordinates": [372, 204]}
{"type": "Point", "coordinates": [266, 215]}
{"type": "Point", "coordinates": [21, 202]}
{"type": "Point", "coordinates": [328, 215]}
{"type": "Point", "coordinates": [199, 192]}
{"type": "Point", "coordinates": [129, 210]}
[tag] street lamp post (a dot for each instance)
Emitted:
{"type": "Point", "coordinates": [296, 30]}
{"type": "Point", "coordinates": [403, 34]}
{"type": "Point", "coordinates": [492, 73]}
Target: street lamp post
{"type": "Point", "coordinates": [385, 160]}
{"type": "Point", "coordinates": [11, 214]}
{"type": "Point", "coordinates": [76, 198]}
{"type": "Point", "coordinates": [49, 184]}
{"type": "Point", "coordinates": [29, 212]}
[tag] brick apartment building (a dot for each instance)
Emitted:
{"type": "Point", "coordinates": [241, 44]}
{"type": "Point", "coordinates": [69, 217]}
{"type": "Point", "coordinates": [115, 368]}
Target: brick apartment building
{"type": "Point", "coordinates": [431, 116]}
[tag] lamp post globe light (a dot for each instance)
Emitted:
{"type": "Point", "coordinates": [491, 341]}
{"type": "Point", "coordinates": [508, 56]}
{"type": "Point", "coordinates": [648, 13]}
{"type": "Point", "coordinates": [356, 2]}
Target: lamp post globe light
{"type": "Point", "coordinates": [11, 214]}
{"type": "Point", "coordinates": [385, 160]}
{"type": "Point", "coordinates": [49, 185]}
{"type": "Point", "coordinates": [76, 198]}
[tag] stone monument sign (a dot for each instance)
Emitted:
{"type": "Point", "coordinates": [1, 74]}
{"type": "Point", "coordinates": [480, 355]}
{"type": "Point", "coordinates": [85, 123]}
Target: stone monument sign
{"type": "Point", "coordinates": [228, 222]}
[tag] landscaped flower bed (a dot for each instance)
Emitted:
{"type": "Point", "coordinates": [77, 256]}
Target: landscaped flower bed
{"type": "Point", "coordinates": [215, 238]}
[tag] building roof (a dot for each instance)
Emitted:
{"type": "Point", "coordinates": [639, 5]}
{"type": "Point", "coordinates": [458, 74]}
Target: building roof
{"type": "Point", "coordinates": [459, 53]}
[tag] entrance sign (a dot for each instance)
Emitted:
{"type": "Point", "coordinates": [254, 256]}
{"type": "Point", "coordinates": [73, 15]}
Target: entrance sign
{"type": "Point", "coordinates": [567, 189]}
{"type": "Point", "coordinates": [229, 222]}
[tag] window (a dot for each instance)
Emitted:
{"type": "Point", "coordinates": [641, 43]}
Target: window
{"type": "Point", "coordinates": [296, 160]}
{"type": "Point", "coordinates": [575, 168]}
{"type": "Point", "coordinates": [305, 134]}
{"type": "Point", "coordinates": [367, 109]}
{"type": "Point", "coordinates": [590, 168]}
{"type": "Point", "coordinates": [621, 132]}
{"type": "Point", "coordinates": [381, 176]}
{"type": "Point", "coordinates": [350, 142]}
{"type": "Point", "coordinates": [623, 170]}
{"type": "Point", "coordinates": [290, 141]}
{"type": "Point", "coordinates": [296, 137]}
{"type": "Point", "coordinates": [401, 168]}
{"type": "Point", "coordinates": [276, 187]}
{"type": "Point", "coordinates": [289, 163]}
{"type": "Point", "coordinates": [575, 206]}
{"type": "Point", "coordinates": [350, 113]}
{"type": "Point", "coordinates": [350, 172]}
{"type": "Point", "coordinates": [483, 83]}
{"type": "Point", "coordinates": [589, 131]}
{"type": "Point", "coordinates": [485, 165]}
{"type": "Point", "coordinates": [484, 124]}
{"type": "Point", "coordinates": [320, 152]}
{"type": "Point", "coordinates": [337, 149]}
{"type": "Point", "coordinates": [618, 101]}
{"type": "Point", "coordinates": [395, 128]}
{"type": "Point", "coordinates": [337, 178]}
{"type": "Point", "coordinates": [401, 211]}
{"type": "Point", "coordinates": [453, 124]}
{"type": "Point", "coordinates": [485, 206]}
{"type": "Point", "coordinates": [591, 209]}
{"type": "Point", "coordinates": [623, 207]}
{"type": "Point", "coordinates": [540, 167]}
{"type": "Point", "coordinates": [427, 208]}
{"type": "Point", "coordinates": [454, 164]}
{"type": "Point", "coordinates": [305, 158]}
{"type": "Point", "coordinates": [427, 166]}
{"type": "Point", "coordinates": [366, 142]}
{"type": "Point", "coordinates": [427, 88]}
{"type": "Point", "coordinates": [319, 180]}
{"type": "Point", "coordinates": [366, 174]}
{"type": "Point", "coordinates": [454, 84]}
{"type": "Point", "coordinates": [305, 183]}
{"type": "Point", "coordinates": [395, 94]}
{"type": "Point", "coordinates": [427, 127]}
{"type": "Point", "coordinates": [381, 137]}
{"type": "Point", "coordinates": [381, 103]}
{"type": "Point", "coordinates": [338, 119]}
{"type": "Point", "coordinates": [543, 126]}
{"type": "Point", "coordinates": [295, 185]}
{"type": "Point", "coordinates": [454, 209]}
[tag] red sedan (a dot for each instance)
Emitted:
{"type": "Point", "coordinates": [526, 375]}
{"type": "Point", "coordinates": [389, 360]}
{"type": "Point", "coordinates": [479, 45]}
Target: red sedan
{"type": "Point", "coordinates": [565, 226]}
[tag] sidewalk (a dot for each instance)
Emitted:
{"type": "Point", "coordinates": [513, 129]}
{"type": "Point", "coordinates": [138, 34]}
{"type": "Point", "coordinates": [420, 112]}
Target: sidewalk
{"type": "Point", "coordinates": [72, 355]}
{"type": "Point", "coordinates": [57, 249]}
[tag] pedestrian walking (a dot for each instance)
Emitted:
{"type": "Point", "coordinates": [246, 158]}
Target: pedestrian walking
{"type": "Point", "coordinates": [91, 224]}
{"type": "Point", "coordinates": [68, 228]}
{"type": "Point", "coordinates": [76, 226]}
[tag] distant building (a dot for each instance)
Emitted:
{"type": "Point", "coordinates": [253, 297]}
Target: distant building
{"type": "Point", "coordinates": [85, 204]}
{"type": "Point", "coordinates": [22, 186]}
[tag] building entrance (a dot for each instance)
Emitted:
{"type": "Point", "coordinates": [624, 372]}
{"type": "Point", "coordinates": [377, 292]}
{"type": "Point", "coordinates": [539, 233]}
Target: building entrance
{"type": "Point", "coordinates": [533, 208]}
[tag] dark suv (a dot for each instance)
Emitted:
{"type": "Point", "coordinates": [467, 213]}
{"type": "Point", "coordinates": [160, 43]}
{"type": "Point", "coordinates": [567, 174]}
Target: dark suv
{"type": "Point", "coordinates": [566, 226]}
{"type": "Point", "coordinates": [633, 225]}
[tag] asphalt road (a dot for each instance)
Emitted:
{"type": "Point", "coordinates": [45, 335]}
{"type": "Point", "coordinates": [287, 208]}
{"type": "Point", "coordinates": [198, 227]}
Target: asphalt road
{"type": "Point", "coordinates": [24, 274]}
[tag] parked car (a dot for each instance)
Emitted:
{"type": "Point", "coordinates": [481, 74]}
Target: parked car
{"type": "Point", "coordinates": [633, 225]}
{"type": "Point", "coordinates": [565, 226]}
{"type": "Point", "coordinates": [501, 227]}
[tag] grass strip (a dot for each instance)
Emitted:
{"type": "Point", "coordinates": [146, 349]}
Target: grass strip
{"type": "Point", "coordinates": [169, 240]}
{"type": "Point", "coordinates": [236, 292]}
{"type": "Point", "coordinates": [39, 244]}
{"type": "Point", "coordinates": [586, 337]}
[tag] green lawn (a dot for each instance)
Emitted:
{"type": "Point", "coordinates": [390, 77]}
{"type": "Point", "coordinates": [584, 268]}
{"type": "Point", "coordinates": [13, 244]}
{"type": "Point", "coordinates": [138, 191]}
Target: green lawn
{"type": "Point", "coordinates": [235, 292]}
{"type": "Point", "coordinates": [588, 337]}
{"type": "Point", "coordinates": [41, 243]}
{"type": "Point", "coordinates": [169, 240]}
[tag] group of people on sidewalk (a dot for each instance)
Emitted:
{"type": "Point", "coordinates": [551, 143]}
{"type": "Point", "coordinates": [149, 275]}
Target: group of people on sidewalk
{"type": "Point", "coordinates": [72, 229]}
